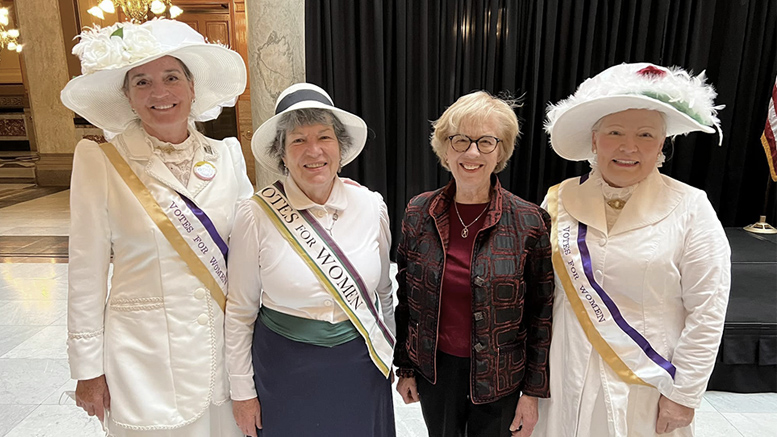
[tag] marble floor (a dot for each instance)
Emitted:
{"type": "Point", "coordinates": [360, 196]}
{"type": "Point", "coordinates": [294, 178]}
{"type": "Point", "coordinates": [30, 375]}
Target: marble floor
{"type": "Point", "coordinates": [34, 376]}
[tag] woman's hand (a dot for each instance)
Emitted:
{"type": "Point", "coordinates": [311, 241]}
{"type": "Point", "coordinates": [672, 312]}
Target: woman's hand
{"type": "Point", "coordinates": [672, 416]}
{"type": "Point", "coordinates": [92, 395]}
{"type": "Point", "coordinates": [248, 415]}
{"type": "Point", "coordinates": [526, 416]}
{"type": "Point", "coordinates": [407, 389]}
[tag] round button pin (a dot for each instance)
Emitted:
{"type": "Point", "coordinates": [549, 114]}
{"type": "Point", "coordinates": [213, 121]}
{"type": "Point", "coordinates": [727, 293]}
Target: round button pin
{"type": "Point", "coordinates": [205, 170]}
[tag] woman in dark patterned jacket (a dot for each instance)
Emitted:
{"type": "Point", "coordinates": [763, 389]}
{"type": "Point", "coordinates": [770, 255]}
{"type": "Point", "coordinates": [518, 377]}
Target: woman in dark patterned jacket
{"type": "Point", "coordinates": [475, 285]}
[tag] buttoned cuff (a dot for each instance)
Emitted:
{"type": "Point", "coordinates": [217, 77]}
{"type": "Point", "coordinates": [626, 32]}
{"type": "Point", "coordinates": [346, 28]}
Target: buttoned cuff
{"type": "Point", "coordinates": [85, 355]}
{"type": "Point", "coordinates": [242, 387]}
{"type": "Point", "coordinates": [683, 399]}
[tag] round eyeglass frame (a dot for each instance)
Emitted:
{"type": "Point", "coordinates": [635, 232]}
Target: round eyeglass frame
{"type": "Point", "coordinates": [476, 141]}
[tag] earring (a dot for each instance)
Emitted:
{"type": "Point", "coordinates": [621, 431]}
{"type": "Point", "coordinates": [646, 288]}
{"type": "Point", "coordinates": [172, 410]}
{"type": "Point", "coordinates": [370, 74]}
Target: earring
{"type": "Point", "coordinates": [660, 159]}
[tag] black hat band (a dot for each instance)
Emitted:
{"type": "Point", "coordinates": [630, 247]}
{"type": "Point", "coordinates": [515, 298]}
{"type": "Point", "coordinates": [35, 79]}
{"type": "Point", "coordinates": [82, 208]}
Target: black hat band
{"type": "Point", "coordinates": [301, 96]}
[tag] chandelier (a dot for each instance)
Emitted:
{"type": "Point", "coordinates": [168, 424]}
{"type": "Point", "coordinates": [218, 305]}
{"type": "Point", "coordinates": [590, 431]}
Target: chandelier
{"type": "Point", "coordinates": [8, 37]}
{"type": "Point", "coordinates": [137, 10]}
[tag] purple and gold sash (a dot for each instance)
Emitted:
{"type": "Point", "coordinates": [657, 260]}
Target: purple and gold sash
{"type": "Point", "coordinates": [333, 270]}
{"type": "Point", "coordinates": [625, 349]}
{"type": "Point", "coordinates": [185, 226]}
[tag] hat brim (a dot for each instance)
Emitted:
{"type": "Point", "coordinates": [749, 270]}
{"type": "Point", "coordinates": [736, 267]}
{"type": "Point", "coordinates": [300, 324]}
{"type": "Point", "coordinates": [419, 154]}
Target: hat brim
{"type": "Point", "coordinates": [219, 78]}
{"type": "Point", "coordinates": [570, 135]}
{"type": "Point", "coordinates": [264, 136]}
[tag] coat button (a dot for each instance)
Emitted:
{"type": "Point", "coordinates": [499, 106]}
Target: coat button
{"type": "Point", "coordinates": [598, 276]}
{"type": "Point", "coordinates": [328, 303]}
{"type": "Point", "coordinates": [478, 315]}
{"type": "Point", "coordinates": [603, 242]}
{"type": "Point", "coordinates": [479, 281]}
{"type": "Point", "coordinates": [199, 293]}
{"type": "Point", "coordinates": [203, 319]}
{"type": "Point", "coordinates": [319, 213]}
{"type": "Point", "coordinates": [479, 347]}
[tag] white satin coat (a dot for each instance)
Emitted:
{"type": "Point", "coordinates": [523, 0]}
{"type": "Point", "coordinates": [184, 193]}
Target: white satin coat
{"type": "Point", "coordinates": [158, 335]}
{"type": "Point", "coordinates": [666, 264]}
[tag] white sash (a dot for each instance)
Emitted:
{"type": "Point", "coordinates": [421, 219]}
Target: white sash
{"type": "Point", "coordinates": [332, 269]}
{"type": "Point", "coordinates": [626, 350]}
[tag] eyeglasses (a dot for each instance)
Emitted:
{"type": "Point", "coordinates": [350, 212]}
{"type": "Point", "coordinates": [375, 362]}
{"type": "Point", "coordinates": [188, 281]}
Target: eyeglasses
{"type": "Point", "coordinates": [485, 144]}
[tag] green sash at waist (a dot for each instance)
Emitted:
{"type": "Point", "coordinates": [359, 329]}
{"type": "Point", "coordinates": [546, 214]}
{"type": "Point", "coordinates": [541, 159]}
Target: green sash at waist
{"type": "Point", "coordinates": [315, 332]}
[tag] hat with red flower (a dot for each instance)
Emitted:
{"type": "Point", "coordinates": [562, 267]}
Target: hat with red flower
{"type": "Point", "coordinates": [686, 101]}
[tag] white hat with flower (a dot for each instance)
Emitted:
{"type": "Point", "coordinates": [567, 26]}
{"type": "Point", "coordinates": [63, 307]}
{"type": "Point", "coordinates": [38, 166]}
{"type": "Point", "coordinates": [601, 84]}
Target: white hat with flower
{"type": "Point", "coordinates": [108, 53]}
{"type": "Point", "coordinates": [686, 101]}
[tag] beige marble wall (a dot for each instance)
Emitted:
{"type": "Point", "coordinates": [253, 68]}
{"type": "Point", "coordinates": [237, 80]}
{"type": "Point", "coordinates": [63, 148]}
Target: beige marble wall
{"type": "Point", "coordinates": [45, 72]}
{"type": "Point", "coordinates": [276, 56]}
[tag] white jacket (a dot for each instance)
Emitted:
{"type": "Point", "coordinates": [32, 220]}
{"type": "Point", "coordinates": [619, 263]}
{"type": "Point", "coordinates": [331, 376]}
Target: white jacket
{"type": "Point", "coordinates": [158, 335]}
{"type": "Point", "coordinates": [666, 264]}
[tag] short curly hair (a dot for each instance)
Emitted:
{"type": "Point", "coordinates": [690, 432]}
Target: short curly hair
{"type": "Point", "coordinates": [306, 117]}
{"type": "Point", "coordinates": [478, 107]}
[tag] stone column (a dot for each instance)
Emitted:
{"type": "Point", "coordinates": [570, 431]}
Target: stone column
{"type": "Point", "coordinates": [276, 57]}
{"type": "Point", "coordinates": [44, 66]}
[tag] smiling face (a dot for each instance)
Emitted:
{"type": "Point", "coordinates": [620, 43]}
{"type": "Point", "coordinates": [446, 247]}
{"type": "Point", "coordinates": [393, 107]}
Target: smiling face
{"type": "Point", "coordinates": [472, 169]}
{"type": "Point", "coordinates": [312, 155]}
{"type": "Point", "coordinates": [627, 145]}
{"type": "Point", "coordinates": [161, 95]}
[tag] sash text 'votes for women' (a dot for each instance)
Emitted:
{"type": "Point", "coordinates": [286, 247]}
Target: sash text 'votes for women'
{"type": "Point", "coordinates": [584, 292]}
{"type": "Point", "coordinates": [326, 260]}
{"type": "Point", "coordinates": [200, 243]}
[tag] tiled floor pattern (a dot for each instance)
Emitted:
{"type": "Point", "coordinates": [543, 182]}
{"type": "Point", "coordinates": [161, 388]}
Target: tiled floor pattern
{"type": "Point", "coordinates": [34, 377]}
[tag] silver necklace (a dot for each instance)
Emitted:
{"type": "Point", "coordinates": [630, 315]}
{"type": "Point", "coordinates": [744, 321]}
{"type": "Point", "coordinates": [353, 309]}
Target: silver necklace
{"type": "Point", "coordinates": [465, 231]}
{"type": "Point", "coordinates": [334, 219]}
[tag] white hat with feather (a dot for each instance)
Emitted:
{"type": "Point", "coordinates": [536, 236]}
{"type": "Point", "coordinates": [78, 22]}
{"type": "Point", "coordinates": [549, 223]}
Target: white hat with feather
{"type": "Point", "coordinates": [686, 101]}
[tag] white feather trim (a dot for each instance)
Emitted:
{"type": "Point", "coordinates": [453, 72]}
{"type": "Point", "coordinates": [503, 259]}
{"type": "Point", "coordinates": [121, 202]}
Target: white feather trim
{"type": "Point", "coordinates": [686, 93]}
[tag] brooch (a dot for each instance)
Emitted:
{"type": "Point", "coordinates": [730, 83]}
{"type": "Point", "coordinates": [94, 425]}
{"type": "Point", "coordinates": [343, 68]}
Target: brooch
{"type": "Point", "coordinates": [205, 170]}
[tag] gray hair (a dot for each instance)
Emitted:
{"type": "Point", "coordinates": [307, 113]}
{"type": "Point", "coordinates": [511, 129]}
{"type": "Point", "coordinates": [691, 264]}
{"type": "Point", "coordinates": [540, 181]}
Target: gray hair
{"type": "Point", "coordinates": [306, 117]}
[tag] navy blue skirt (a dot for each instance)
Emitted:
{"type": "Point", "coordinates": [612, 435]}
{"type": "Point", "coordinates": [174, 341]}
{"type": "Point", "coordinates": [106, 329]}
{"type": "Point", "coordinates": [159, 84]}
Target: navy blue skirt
{"type": "Point", "coordinates": [308, 390]}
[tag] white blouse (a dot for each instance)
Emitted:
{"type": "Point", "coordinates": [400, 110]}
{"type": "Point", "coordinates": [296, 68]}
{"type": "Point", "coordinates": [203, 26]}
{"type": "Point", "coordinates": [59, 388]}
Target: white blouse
{"type": "Point", "coordinates": [178, 158]}
{"type": "Point", "coordinates": [264, 267]}
{"type": "Point", "coordinates": [611, 193]}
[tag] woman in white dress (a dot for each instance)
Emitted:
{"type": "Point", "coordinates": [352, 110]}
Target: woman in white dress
{"type": "Point", "coordinates": [158, 201]}
{"type": "Point", "coordinates": [641, 262]}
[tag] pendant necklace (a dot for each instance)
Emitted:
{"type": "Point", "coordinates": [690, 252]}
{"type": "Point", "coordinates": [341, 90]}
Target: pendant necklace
{"type": "Point", "coordinates": [617, 203]}
{"type": "Point", "coordinates": [465, 231]}
{"type": "Point", "coordinates": [334, 219]}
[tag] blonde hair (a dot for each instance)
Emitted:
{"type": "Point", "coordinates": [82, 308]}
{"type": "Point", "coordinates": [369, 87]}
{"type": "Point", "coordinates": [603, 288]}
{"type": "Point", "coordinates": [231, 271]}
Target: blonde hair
{"type": "Point", "coordinates": [478, 107]}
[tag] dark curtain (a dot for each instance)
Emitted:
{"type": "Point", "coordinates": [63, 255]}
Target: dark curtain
{"type": "Point", "coordinates": [399, 64]}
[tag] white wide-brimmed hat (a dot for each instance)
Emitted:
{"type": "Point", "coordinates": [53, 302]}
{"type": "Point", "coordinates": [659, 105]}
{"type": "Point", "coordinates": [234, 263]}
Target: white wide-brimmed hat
{"type": "Point", "coordinates": [686, 101]}
{"type": "Point", "coordinates": [302, 96]}
{"type": "Point", "coordinates": [107, 54]}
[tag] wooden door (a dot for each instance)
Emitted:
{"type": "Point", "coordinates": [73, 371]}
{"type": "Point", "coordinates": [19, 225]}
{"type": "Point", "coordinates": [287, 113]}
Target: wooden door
{"type": "Point", "coordinates": [213, 22]}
